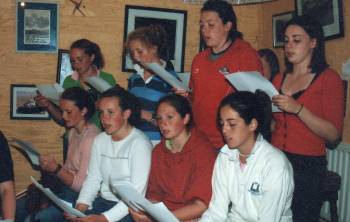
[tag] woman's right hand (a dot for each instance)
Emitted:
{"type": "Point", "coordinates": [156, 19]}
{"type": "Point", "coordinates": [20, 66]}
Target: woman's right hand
{"type": "Point", "coordinates": [42, 101]}
{"type": "Point", "coordinates": [139, 216]}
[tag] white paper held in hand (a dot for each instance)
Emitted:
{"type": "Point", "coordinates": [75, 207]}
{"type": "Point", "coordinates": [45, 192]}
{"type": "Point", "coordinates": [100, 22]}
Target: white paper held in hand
{"type": "Point", "coordinates": [51, 91]}
{"type": "Point", "coordinates": [28, 149]}
{"type": "Point", "coordinates": [98, 83]}
{"type": "Point", "coordinates": [62, 205]}
{"type": "Point", "coordinates": [166, 76]}
{"type": "Point", "coordinates": [252, 81]}
{"type": "Point", "coordinates": [133, 199]}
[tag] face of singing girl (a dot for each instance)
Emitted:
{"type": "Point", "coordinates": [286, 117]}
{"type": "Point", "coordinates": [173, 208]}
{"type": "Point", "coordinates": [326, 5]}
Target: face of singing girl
{"type": "Point", "coordinates": [171, 124]}
{"type": "Point", "coordinates": [81, 62]}
{"type": "Point", "coordinates": [298, 45]}
{"type": "Point", "coordinates": [214, 32]}
{"type": "Point", "coordinates": [141, 52]}
{"type": "Point", "coordinates": [236, 132]}
{"type": "Point", "coordinates": [113, 119]}
{"type": "Point", "coordinates": [72, 115]}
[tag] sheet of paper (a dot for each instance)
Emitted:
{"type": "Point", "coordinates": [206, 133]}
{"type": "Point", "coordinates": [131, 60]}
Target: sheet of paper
{"type": "Point", "coordinates": [129, 195]}
{"type": "Point", "coordinates": [28, 149]}
{"type": "Point", "coordinates": [251, 81]}
{"type": "Point", "coordinates": [98, 83]}
{"type": "Point", "coordinates": [166, 76]}
{"type": "Point", "coordinates": [64, 206]}
{"type": "Point", "coordinates": [51, 91]}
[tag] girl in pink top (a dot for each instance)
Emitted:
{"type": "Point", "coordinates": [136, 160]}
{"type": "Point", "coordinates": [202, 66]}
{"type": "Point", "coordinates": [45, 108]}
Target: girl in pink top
{"type": "Point", "coordinates": [77, 108]}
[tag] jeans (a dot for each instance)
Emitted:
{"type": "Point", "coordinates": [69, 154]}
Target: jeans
{"type": "Point", "coordinates": [53, 213]}
{"type": "Point", "coordinates": [101, 205]}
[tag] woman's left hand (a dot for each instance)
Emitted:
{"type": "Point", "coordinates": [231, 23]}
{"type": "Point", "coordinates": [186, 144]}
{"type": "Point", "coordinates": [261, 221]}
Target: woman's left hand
{"type": "Point", "coordinates": [90, 218]}
{"type": "Point", "coordinates": [139, 216]}
{"type": "Point", "coordinates": [48, 163]}
{"type": "Point", "coordinates": [286, 103]}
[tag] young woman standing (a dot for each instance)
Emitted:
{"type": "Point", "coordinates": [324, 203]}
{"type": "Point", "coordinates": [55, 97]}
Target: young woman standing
{"type": "Point", "coordinates": [226, 51]}
{"type": "Point", "coordinates": [149, 45]}
{"type": "Point", "coordinates": [311, 98]}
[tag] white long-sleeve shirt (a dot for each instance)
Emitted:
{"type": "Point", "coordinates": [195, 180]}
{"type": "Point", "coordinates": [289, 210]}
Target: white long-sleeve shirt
{"type": "Point", "coordinates": [261, 191]}
{"type": "Point", "coordinates": [115, 161]}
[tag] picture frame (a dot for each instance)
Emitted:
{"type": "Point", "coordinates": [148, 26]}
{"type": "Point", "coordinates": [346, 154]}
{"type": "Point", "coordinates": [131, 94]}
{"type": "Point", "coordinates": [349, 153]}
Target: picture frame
{"type": "Point", "coordinates": [64, 67]}
{"type": "Point", "coordinates": [36, 26]}
{"type": "Point", "coordinates": [173, 21]}
{"type": "Point", "coordinates": [327, 12]}
{"type": "Point", "coordinates": [22, 105]}
{"type": "Point", "coordinates": [278, 23]}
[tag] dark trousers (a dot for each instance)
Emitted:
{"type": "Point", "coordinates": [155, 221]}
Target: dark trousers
{"type": "Point", "coordinates": [309, 172]}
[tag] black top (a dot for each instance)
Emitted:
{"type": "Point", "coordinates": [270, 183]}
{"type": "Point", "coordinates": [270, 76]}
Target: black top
{"type": "Point", "coordinates": [6, 164]}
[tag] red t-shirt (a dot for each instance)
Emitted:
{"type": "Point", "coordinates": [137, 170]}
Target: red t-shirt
{"type": "Point", "coordinates": [178, 178]}
{"type": "Point", "coordinates": [209, 86]}
{"type": "Point", "coordinates": [324, 97]}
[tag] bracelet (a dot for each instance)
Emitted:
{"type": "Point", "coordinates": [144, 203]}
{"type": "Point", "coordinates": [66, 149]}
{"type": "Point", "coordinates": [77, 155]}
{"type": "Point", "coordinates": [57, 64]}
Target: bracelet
{"type": "Point", "coordinates": [301, 107]}
{"type": "Point", "coordinates": [58, 168]}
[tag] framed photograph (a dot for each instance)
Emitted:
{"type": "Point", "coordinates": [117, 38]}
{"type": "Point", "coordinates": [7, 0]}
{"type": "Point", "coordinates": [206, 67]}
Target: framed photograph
{"type": "Point", "coordinates": [37, 26]}
{"type": "Point", "coordinates": [23, 105]}
{"type": "Point", "coordinates": [278, 23]}
{"type": "Point", "coordinates": [64, 67]}
{"type": "Point", "coordinates": [174, 23]}
{"type": "Point", "coordinates": [328, 12]}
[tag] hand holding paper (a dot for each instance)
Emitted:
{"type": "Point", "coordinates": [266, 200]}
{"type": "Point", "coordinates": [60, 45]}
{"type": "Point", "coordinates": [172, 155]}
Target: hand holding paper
{"type": "Point", "coordinates": [129, 195]}
{"type": "Point", "coordinates": [63, 205]}
{"type": "Point", "coordinates": [252, 81]}
{"type": "Point", "coordinates": [51, 91]}
{"type": "Point", "coordinates": [166, 76]}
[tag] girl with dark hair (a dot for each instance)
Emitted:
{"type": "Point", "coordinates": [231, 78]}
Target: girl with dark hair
{"type": "Point", "coordinates": [86, 60]}
{"type": "Point", "coordinates": [311, 98]}
{"type": "Point", "coordinates": [250, 175]}
{"type": "Point", "coordinates": [120, 153]}
{"type": "Point", "coordinates": [226, 51]}
{"type": "Point", "coordinates": [77, 108]}
{"type": "Point", "coordinates": [182, 163]}
{"type": "Point", "coordinates": [270, 63]}
{"type": "Point", "coordinates": [145, 45]}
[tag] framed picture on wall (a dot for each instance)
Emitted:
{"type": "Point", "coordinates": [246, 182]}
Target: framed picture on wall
{"type": "Point", "coordinates": [278, 23]}
{"type": "Point", "coordinates": [23, 105]}
{"type": "Point", "coordinates": [64, 67]}
{"type": "Point", "coordinates": [37, 26]}
{"type": "Point", "coordinates": [173, 21]}
{"type": "Point", "coordinates": [328, 12]}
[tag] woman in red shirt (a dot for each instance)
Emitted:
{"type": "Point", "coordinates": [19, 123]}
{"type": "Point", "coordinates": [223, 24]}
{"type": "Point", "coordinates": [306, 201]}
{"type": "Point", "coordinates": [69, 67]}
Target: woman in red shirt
{"type": "Point", "coordinates": [311, 100]}
{"type": "Point", "coordinates": [182, 163]}
{"type": "Point", "coordinates": [226, 50]}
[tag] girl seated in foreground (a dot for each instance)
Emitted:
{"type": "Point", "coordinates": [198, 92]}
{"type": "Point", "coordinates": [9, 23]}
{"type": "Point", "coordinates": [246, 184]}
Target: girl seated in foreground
{"type": "Point", "coordinates": [251, 175]}
{"type": "Point", "coordinates": [182, 163]}
{"type": "Point", "coordinates": [77, 109]}
{"type": "Point", "coordinates": [121, 153]}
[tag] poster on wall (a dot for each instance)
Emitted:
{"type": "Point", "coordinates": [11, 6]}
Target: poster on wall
{"type": "Point", "coordinates": [329, 13]}
{"type": "Point", "coordinates": [174, 23]}
{"type": "Point", "coordinates": [23, 105]}
{"type": "Point", "coordinates": [37, 26]}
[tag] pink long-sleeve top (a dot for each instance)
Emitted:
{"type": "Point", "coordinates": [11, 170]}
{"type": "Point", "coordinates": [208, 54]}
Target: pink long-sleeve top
{"type": "Point", "coordinates": [78, 156]}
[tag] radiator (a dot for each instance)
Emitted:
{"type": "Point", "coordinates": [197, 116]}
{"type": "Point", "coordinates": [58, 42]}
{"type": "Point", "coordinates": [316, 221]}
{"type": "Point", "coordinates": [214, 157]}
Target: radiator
{"type": "Point", "coordinates": [339, 161]}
